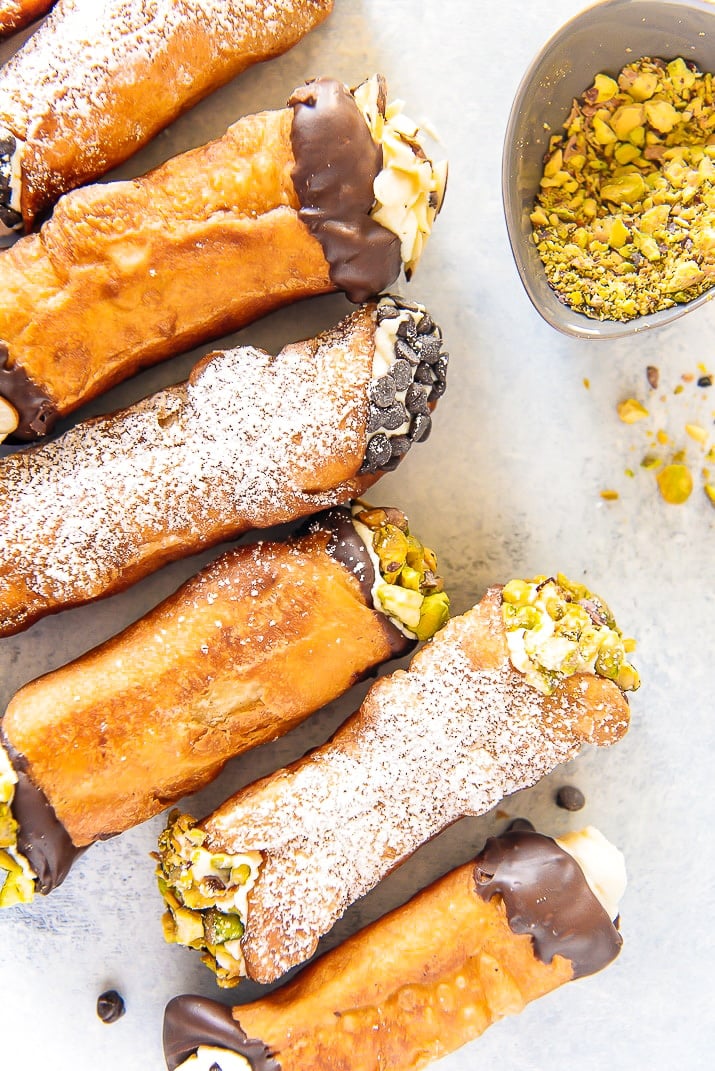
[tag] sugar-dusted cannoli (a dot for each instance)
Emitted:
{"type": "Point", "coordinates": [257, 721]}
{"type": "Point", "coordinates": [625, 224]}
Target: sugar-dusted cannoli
{"type": "Point", "coordinates": [529, 914]}
{"type": "Point", "coordinates": [15, 14]}
{"type": "Point", "coordinates": [249, 441]}
{"type": "Point", "coordinates": [241, 653]}
{"type": "Point", "coordinates": [333, 192]}
{"type": "Point", "coordinates": [101, 77]}
{"type": "Point", "coordinates": [494, 702]}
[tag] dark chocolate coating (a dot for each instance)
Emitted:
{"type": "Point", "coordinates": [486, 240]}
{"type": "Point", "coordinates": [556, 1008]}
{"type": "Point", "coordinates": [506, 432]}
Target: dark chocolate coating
{"type": "Point", "coordinates": [347, 548]}
{"type": "Point", "coordinates": [546, 896]}
{"type": "Point", "coordinates": [36, 410]}
{"type": "Point", "coordinates": [336, 162]}
{"type": "Point", "coordinates": [41, 837]}
{"type": "Point", "coordinates": [192, 1021]}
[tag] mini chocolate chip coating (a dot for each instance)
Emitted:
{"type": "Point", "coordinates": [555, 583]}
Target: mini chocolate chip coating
{"type": "Point", "coordinates": [110, 1006]}
{"type": "Point", "coordinates": [336, 162]}
{"type": "Point", "coordinates": [192, 1021]}
{"type": "Point", "coordinates": [400, 400]}
{"type": "Point", "coordinates": [570, 798]}
{"type": "Point", "coordinates": [36, 410]}
{"type": "Point", "coordinates": [546, 896]}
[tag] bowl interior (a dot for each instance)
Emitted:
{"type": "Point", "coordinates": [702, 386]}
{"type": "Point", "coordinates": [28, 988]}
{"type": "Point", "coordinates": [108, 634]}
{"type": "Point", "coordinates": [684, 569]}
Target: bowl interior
{"type": "Point", "coordinates": [602, 38]}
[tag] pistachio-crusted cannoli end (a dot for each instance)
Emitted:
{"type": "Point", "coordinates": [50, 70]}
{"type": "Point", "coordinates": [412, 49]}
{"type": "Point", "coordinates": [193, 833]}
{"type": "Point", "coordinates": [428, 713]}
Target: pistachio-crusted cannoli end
{"type": "Point", "coordinates": [410, 187]}
{"type": "Point", "coordinates": [409, 375]}
{"type": "Point", "coordinates": [556, 628]}
{"type": "Point", "coordinates": [10, 182]}
{"type": "Point", "coordinates": [206, 894]}
{"type": "Point", "coordinates": [17, 878]}
{"type": "Point", "coordinates": [407, 587]}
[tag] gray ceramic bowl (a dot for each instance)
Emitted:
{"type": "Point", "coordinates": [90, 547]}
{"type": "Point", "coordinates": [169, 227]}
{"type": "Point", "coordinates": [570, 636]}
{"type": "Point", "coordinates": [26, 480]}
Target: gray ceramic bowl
{"type": "Point", "coordinates": [602, 38]}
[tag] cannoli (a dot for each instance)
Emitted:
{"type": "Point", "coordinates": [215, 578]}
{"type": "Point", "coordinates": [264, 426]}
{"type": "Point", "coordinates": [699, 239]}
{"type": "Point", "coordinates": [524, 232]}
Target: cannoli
{"type": "Point", "coordinates": [494, 702]}
{"type": "Point", "coordinates": [101, 77]}
{"type": "Point", "coordinates": [528, 914]}
{"type": "Point", "coordinates": [333, 192]}
{"type": "Point", "coordinates": [243, 652]}
{"type": "Point", "coordinates": [249, 441]}
{"type": "Point", "coordinates": [15, 14]}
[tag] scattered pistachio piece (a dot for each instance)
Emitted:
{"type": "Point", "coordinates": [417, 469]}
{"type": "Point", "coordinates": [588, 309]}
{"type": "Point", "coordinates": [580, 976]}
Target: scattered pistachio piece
{"type": "Point", "coordinates": [675, 483]}
{"type": "Point", "coordinates": [697, 432]}
{"type": "Point", "coordinates": [630, 411]}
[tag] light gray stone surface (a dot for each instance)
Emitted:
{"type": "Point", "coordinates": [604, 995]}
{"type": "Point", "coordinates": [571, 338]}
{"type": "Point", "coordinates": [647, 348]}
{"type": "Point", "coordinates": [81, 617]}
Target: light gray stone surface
{"type": "Point", "coordinates": [508, 485]}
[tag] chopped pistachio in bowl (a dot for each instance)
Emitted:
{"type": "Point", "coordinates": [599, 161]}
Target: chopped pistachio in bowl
{"type": "Point", "coordinates": [601, 40]}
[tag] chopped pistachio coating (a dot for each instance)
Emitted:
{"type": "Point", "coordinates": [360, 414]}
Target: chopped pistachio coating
{"type": "Point", "coordinates": [409, 589]}
{"type": "Point", "coordinates": [17, 880]}
{"type": "Point", "coordinates": [206, 896]}
{"type": "Point", "coordinates": [625, 216]}
{"type": "Point", "coordinates": [409, 189]}
{"type": "Point", "coordinates": [555, 628]}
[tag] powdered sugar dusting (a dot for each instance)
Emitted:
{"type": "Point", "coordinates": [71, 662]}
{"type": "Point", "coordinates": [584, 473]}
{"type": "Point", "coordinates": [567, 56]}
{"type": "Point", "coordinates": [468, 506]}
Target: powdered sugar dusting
{"type": "Point", "coordinates": [252, 440]}
{"type": "Point", "coordinates": [66, 77]}
{"type": "Point", "coordinates": [446, 739]}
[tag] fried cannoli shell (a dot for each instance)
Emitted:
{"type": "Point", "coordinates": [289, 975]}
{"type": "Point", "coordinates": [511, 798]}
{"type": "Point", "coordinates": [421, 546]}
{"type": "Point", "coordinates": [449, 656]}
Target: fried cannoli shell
{"type": "Point", "coordinates": [250, 441]}
{"type": "Point", "coordinates": [15, 14]}
{"type": "Point", "coordinates": [101, 77]}
{"type": "Point", "coordinates": [126, 274]}
{"type": "Point", "coordinates": [449, 737]}
{"type": "Point", "coordinates": [432, 975]}
{"type": "Point", "coordinates": [240, 654]}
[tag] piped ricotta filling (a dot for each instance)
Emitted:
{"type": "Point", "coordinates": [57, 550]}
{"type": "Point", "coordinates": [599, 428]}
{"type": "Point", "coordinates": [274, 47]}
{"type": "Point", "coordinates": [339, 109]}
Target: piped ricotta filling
{"type": "Point", "coordinates": [603, 865]}
{"type": "Point", "coordinates": [409, 189]}
{"type": "Point", "coordinates": [209, 1057]}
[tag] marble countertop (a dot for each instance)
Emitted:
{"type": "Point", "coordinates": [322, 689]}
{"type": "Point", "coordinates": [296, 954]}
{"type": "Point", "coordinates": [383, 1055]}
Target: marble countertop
{"type": "Point", "coordinates": [509, 484]}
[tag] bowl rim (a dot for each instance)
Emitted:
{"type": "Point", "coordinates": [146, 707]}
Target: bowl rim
{"type": "Point", "coordinates": [581, 326]}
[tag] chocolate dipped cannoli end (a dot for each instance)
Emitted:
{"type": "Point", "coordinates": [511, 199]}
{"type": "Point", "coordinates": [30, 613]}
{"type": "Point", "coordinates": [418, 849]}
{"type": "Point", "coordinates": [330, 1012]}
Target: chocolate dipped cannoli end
{"type": "Point", "coordinates": [349, 198]}
{"type": "Point", "coordinates": [118, 496]}
{"type": "Point", "coordinates": [529, 914]}
{"type": "Point", "coordinates": [239, 655]}
{"type": "Point", "coordinates": [495, 701]}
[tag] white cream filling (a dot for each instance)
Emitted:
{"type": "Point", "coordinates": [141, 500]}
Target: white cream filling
{"type": "Point", "coordinates": [208, 1056]}
{"type": "Point", "coordinates": [380, 591]}
{"type": "Point", "coordinates": [14, 867]}
{"type": "Point", "coordinates": [197, 894]}
{"type": "Point", "coordinates": [410, 187]}
{"type": "Point", "coordinates": [603, 865]}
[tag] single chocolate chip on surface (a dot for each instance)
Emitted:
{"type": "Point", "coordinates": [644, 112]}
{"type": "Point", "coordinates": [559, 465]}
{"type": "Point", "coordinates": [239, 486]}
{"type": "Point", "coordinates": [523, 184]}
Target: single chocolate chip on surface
{"type": "Point", "coordinates": [570, 798]}
{"type": "Point", "coordinates": [110, 1006]}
